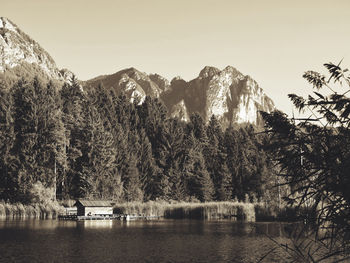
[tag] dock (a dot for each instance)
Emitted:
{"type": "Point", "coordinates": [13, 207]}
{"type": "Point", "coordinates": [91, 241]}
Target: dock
{"type": "Point", "coordinates": [107, 217]}
{"type": "Point", "coordinates": [98, 210]}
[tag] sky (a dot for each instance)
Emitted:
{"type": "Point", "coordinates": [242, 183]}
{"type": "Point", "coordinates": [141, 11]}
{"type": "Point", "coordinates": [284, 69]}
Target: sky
{"type": "Point", "coordinates": [274, 42]}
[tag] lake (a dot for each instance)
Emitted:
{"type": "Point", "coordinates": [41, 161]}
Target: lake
{"type": "Point", "coordinates": [138, 241]}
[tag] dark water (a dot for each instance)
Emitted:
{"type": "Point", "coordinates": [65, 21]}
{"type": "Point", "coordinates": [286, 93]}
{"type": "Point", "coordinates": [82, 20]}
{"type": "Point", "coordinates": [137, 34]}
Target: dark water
{"type": "Point", "coordinates": [139, 241]}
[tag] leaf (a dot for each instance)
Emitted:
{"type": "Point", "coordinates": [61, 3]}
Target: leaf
{"type": "Point", "coordinates": [331, 117]}
{"type": "Point", "coordinates": [340, 105]}
{"type": "Point", "coordinates": [346, 112]}
{"type": "Point", "coordinates": [336, 97]}
{"type": "Point", "coordinates": [335, 70]}
{"type": "Point", "coordinates": [319, 95]}
{"type": "Point", "coordinates": [298, 101]}
{"type": "Point", "coordinates": [314, 78]}
{"type": "Point", "coordinates": [312, 101]}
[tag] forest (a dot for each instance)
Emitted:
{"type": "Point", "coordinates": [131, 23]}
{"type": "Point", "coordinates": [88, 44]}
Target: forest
{"type": "Point", "coordinates": [67, 142]}
{"type": "Point", "coordinates": [70, 142]}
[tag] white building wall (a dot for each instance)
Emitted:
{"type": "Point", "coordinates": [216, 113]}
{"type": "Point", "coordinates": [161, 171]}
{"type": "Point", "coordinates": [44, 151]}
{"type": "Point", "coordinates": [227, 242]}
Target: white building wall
{"type": "Point", "coordinates": [98, 211]}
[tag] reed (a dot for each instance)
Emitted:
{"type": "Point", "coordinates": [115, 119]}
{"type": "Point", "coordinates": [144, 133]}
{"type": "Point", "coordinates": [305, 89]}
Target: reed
{"type": "Point", "coordinates": [182, 210]}
{"type": "Point", "coordinates": [37, 210]}
{"type": "Point", "coordinates": [149, 208]}
{"type": "Point", "coordinates": [286, 213]}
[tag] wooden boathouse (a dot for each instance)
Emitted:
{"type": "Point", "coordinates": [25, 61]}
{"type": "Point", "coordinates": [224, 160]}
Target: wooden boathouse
{"type": "Point", "coordinates": [94, 208]}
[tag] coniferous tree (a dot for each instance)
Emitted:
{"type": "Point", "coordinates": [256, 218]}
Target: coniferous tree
{"type": "Point", "coordinates": [231, 139]}
{"type": "Point", "coordinates": [152, 115]}
{"type": "Point", "coordinates": [169, 153]}
{"type": "Point", "coordinates": [115, 115]}
{"type": "Point", "coordinates": [76, 182]}
{"type": "Point", "coordinates": [8, 183]}
{"type": "Point", "coordinates": [100, 166]}
{"type": "Point", "coordinates": [53, 134]}
{"type": "Point", "coordinates": [147, 168]}
{"type": "Point", "coordinates": [198, 181]}
{"type": "Point", "coordinates": [198, 128]}
{"type": "Point", "coordinates": [132, 182]}
{"type": "Point", "coordinates": [215, 159]}
{"type": "Point", "coordinates": [39, 133]}
{"type": "Point", "coordinates": [107, 147]}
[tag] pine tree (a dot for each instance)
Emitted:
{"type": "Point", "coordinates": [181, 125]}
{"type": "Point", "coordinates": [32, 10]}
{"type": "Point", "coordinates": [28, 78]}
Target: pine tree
{"type": "Point", "coordinates": [132, 182]}
{"type": "Point", "coordinates": [76, 183]}
{"type": "Point", "coordinates": [39, 135]}
{"type": "Point", "coordinates": [152, 115]}
{"type": "Point", "coordinates": [197, 127]}
{"type": "Point", "coordinates": [233, 150]}
{"type": "Point", "coordinates": [147, 168]}
{"type": "Point", "coordinates": [100, 166]}
{"type": "Point", "coordinates": [169, 153]}
{"type": "Point", "coordinates": [198, 181]}
{"type": "Point", "coordinates": [215, 159]}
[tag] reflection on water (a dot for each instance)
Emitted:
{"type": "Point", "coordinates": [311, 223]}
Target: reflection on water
{"type": "Point", "coordinates": [96, 223]}
{"type": "Point", "coordinates": [136, 241]}
{"type": "Point", "coordinates": [35, 224]}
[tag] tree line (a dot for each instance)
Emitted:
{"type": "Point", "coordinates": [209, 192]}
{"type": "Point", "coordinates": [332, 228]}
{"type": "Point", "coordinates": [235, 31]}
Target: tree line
{"type": "Point", "coordinates": [94, 143]}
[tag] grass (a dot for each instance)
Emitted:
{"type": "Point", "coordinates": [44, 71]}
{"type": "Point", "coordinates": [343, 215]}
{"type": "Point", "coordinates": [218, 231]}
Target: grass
{"type": "Point", "coordinates": [181, 210]}
{"type": "Point", "coordinates": [38, 210]}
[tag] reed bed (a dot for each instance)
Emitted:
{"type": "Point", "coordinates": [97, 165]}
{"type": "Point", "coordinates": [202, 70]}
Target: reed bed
{"type": "Point", "coordinates": [39, 210]}
{"type": "Point", "coordinates": [181, 210]}
{"type": "Point", "coordinates": [264, 212]}
{"type": "Point", "coordinates": [149, 208]}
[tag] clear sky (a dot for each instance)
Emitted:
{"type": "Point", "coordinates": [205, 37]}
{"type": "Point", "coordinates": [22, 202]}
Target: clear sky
{"type": "Point", "coordinates": [272, 41]}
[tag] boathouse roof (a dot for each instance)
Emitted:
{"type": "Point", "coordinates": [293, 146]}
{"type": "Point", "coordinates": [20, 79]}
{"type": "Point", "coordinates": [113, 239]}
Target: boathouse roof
{"type": "Point", "coordinates": [94, 203]}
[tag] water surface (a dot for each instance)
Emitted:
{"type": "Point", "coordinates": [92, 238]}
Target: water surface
{"type": "Point", "coordinates": [138, 241]}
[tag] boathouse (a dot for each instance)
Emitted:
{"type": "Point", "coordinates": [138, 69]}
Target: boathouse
{"type": "Point", "coordinates": [94, 208]}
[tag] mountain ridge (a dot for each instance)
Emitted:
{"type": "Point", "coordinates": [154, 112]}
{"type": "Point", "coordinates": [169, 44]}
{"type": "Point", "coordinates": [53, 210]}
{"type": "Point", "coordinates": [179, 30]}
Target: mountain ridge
{"type": "Point", "coordinates": [228, 94]}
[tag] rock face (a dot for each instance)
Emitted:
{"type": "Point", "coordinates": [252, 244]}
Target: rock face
{"type": "Point", "coordinates": [18, 52]}
{"type": "Point", "coordinates": [132, 82]}
{"type": "Point", "coordinates": [227, 94]}
{"type": "Point", "coordinates": [179, 110]}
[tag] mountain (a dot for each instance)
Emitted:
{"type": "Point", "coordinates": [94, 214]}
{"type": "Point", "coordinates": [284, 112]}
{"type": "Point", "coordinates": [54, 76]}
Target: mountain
{"type": "Point", "coordinates": [132, 82]}
{"type": "Point", "coordinates": [227, 94]}
{"type": "Point", "coordinates": [22, 56]}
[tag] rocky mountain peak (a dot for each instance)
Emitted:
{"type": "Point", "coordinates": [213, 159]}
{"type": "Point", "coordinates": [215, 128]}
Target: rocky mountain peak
{"type": "Point", "coordinates": [208, 72]}
{"type": "Point", "coordinates": [133, 72]}
{"type": "Point", "coordinates": [162, 82]}
{"type": "Point", "coordinates": [177, 78]}
{"type": "Point", "coordinates": [7, 24]}
{"type": "Point", "coordinates": [233, 71]}
{"type": "Point", "coordinates": [17, 49]}
{"type": "Point", "coordinates": [228, 94]}
{"type": "Point", "coordinates": [130, 81]}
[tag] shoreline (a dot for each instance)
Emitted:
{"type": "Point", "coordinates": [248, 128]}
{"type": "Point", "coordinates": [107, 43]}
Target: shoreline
{"type": "Point", "coordinates": [235, 211]}
{"type": "Point", "coordinates": [238, 211]}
